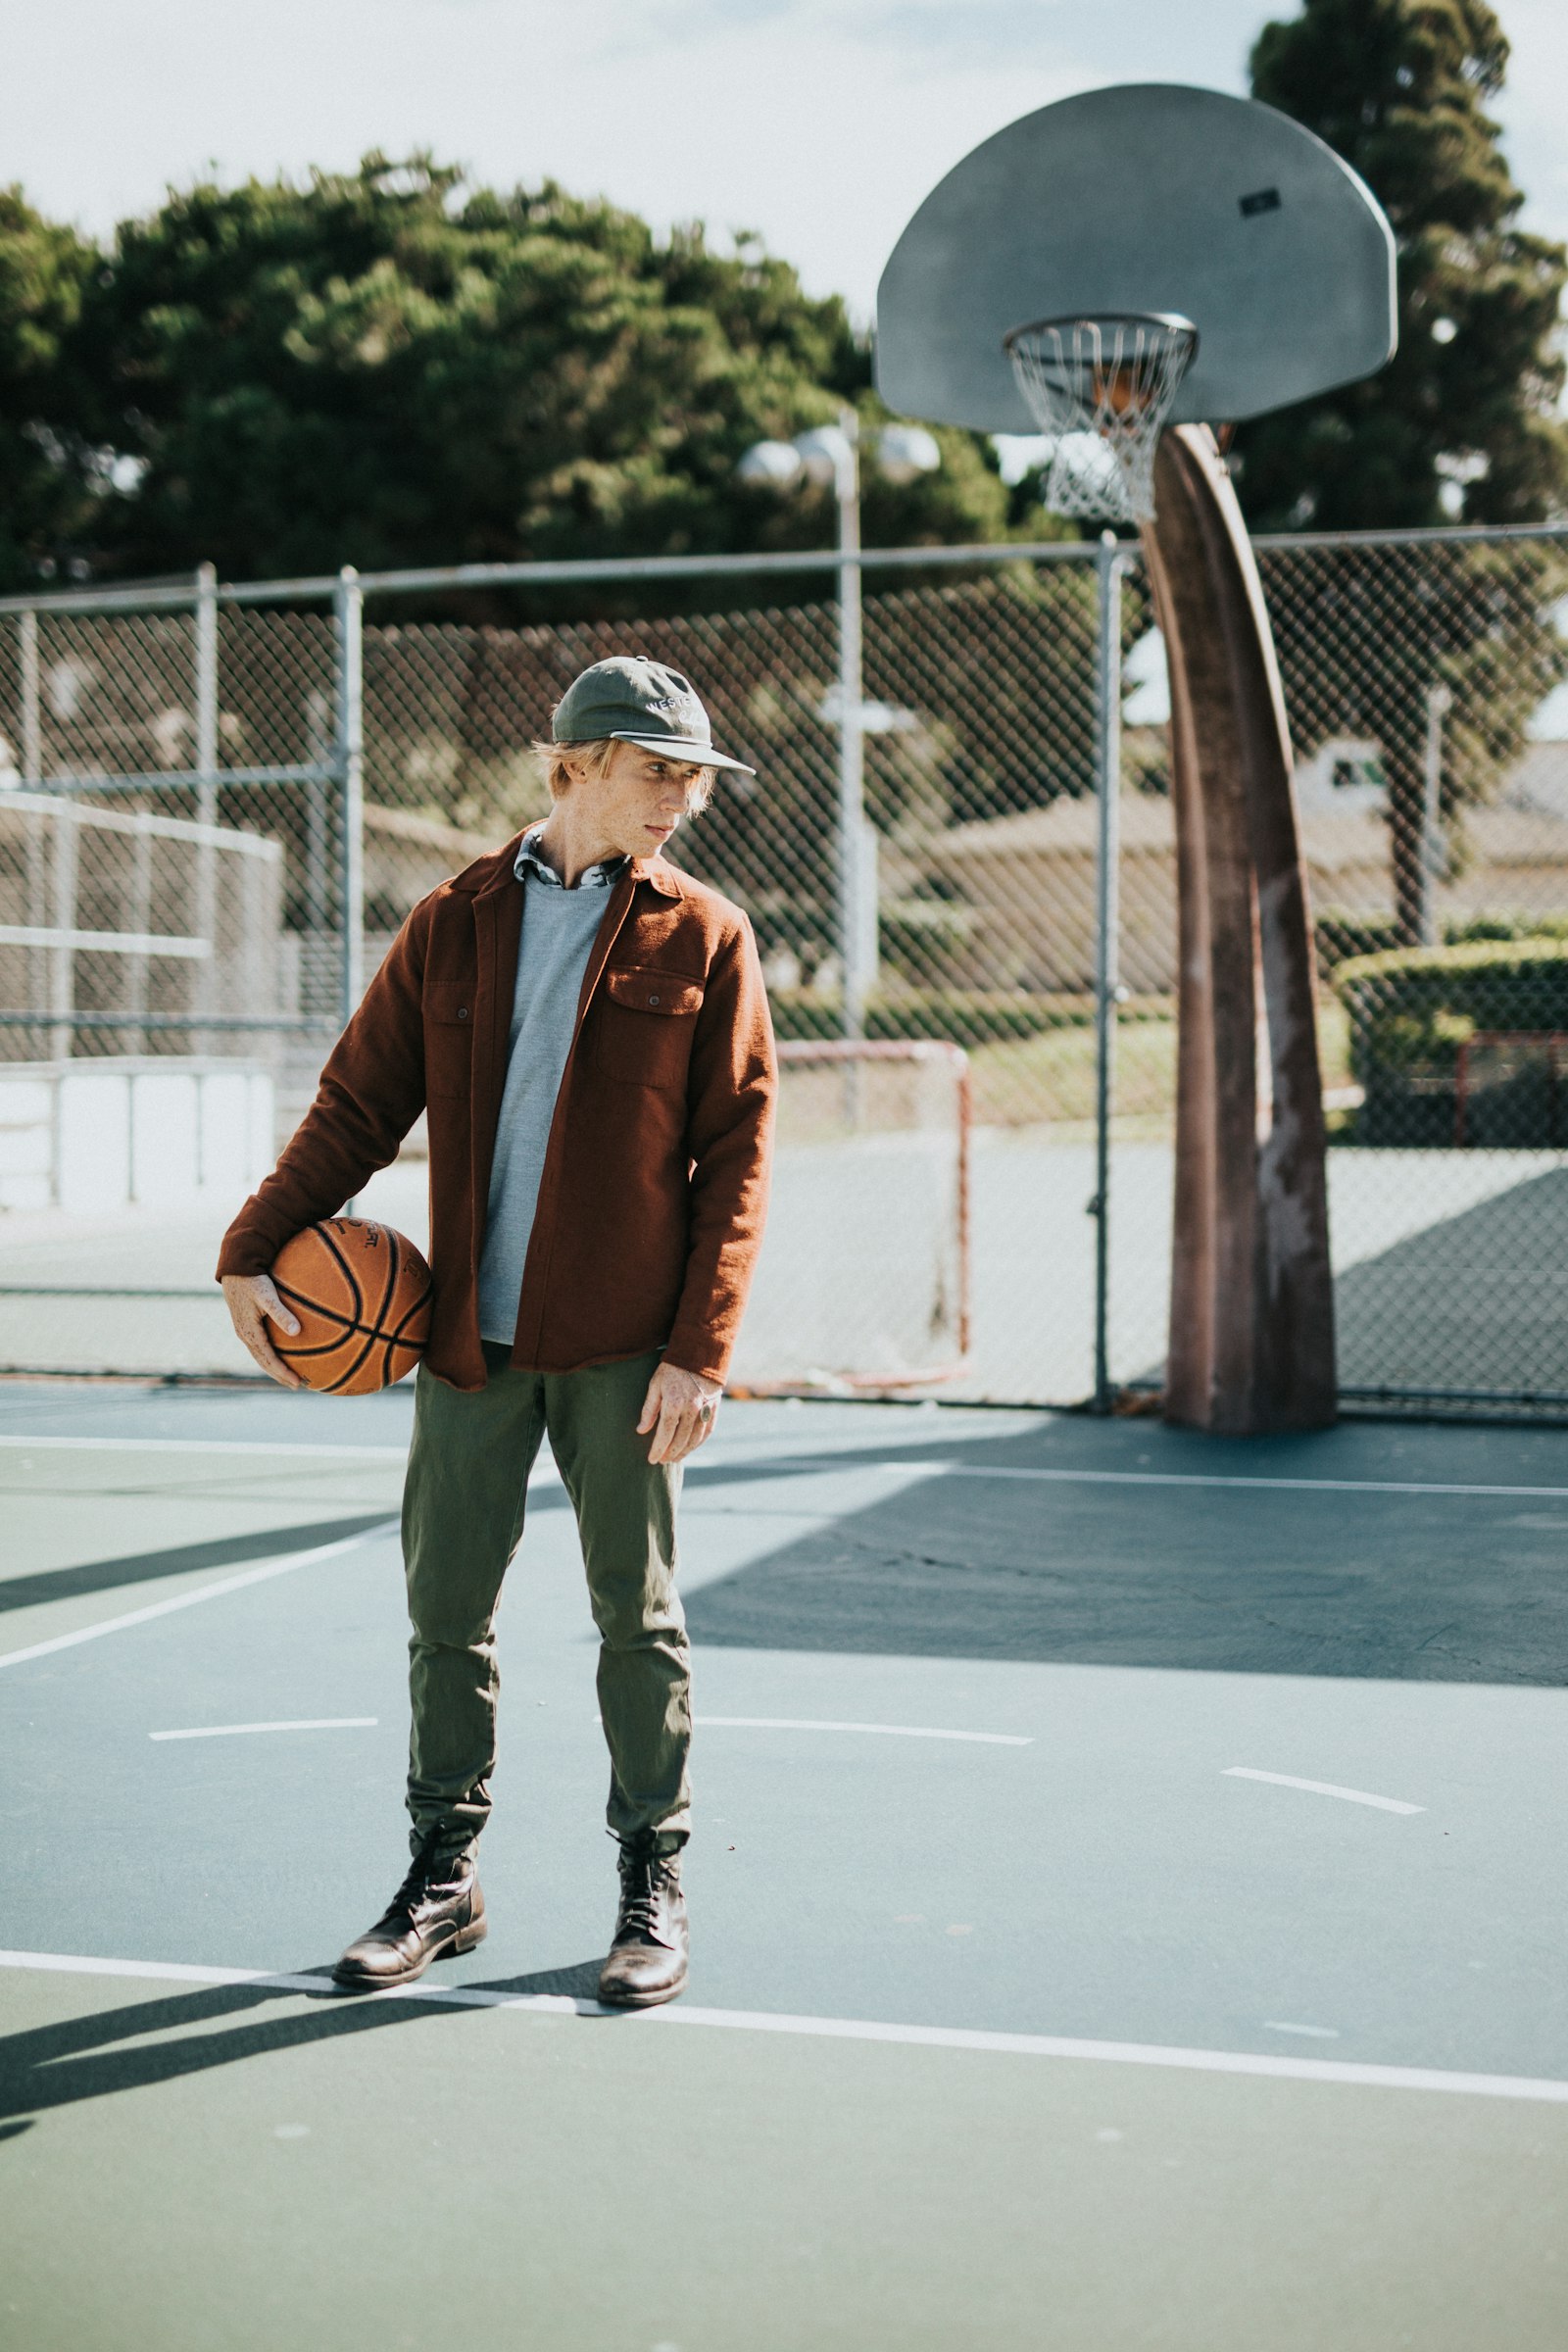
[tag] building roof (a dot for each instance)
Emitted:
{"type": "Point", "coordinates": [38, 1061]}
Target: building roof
{"type": "Point", "coordinates": [428, 833]}
{"type": "Point", "coordinates": [1330, 839]}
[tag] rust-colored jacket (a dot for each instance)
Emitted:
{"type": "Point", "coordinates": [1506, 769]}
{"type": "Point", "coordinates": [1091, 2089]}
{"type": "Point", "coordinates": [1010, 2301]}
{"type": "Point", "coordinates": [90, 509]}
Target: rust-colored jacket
{"type": "Point", "coordinates": [654, 1184]}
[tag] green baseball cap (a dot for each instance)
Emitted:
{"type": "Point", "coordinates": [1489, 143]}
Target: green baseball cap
{"type": "Point", "coordinates": [627, 700]}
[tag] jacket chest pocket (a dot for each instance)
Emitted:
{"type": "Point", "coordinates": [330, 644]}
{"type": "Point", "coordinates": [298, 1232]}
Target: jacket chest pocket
{"type": "Point", "coordinates": [448, 1031]}
{"type": "Point", "coordinates": [645, 1025]}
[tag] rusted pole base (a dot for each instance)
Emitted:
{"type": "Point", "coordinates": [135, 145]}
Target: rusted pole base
{"type": "Point", "coordinates": [1251, 1302]}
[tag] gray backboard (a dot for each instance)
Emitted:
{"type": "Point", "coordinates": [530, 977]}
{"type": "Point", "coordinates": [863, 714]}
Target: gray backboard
{"type": "Point", "coordinates": [1151, 196]}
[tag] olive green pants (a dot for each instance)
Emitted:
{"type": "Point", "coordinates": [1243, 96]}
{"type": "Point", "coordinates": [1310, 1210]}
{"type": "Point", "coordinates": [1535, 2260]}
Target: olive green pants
{"type": "Point", "coordinates": [463, 1513]}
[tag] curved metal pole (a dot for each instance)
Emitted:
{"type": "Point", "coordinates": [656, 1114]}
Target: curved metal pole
{"type": "Point", "coordinates": [1251, 1308]}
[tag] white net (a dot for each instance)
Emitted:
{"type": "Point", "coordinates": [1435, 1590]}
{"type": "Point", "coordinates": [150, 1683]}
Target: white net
{"type": "Point", "coordinates": [1102, 389]}
{"type": "Point", "coordinates": [863, 1280]}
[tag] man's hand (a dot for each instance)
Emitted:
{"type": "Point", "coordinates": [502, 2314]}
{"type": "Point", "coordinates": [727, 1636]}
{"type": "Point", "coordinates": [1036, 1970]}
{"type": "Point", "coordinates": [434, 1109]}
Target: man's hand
{"type": "Point", "coordinates": [679, 1409]}
{"type": "Point", "coordinates": [251, 1298]}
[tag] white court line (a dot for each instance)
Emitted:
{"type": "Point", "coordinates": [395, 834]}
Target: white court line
{"type": "Point", "coordinates": [1351, 1796]}
{"type": "Point", "coordinates": [544, 1472]}
{"type": "Point", "coordinates": [305, 1723]}
{"type": "Point", "coordinates": [768, 1465]}
{"type": "Point", "coordinates": [889, 1730]}
{"type": "Point", "coordinates": [188, 1600]}
{"type": "Point", "coordinates": [26, 1444]}
{"type": "Point", "coordinates": [1543, 2089]}
{"type": "Point", "coordinates": [1288, 1486]}
{"type": "Point", "coordinates": [1276, 2025]}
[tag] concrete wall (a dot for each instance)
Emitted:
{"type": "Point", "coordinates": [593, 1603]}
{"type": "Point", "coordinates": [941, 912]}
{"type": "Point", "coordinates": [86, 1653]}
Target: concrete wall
{"type": "Point", "coordinates": [92, 1137]}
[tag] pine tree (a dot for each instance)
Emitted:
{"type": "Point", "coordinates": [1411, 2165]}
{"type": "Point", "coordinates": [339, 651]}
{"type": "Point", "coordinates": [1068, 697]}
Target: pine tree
{"type": "Point", "coordinates": [45, 483]}
{"type": "Point", "coordinates": [1459, 427]}
{"type": "Point", "coordinates": [392, 368]}
{"type": "Point", "coordinates": [1463, 422]}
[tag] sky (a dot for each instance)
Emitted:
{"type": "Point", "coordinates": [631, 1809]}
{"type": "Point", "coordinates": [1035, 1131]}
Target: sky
{"type": "Point", "coordinates": [821, 123]}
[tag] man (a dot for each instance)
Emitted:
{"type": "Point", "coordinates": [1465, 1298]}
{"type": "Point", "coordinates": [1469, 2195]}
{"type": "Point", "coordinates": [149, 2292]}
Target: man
{"type": "Point", "coordinates": [588, 1032]}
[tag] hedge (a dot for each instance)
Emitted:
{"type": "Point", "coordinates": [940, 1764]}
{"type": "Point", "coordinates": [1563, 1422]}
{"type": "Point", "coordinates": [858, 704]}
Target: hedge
{"type": "Point", "coordinates": [966, 1016]}
{"type": "Point", "coordinates": [1420, 1003]}
{"type": "Point", "coordinates": [1412, 1009]}
{"type": "Point", "coordinates": [1339, 936]}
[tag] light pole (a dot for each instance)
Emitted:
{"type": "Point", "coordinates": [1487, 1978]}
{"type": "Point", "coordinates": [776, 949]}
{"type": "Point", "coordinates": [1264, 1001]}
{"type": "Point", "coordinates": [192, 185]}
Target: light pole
{"type": "Point", "coordinates": [829, 453]}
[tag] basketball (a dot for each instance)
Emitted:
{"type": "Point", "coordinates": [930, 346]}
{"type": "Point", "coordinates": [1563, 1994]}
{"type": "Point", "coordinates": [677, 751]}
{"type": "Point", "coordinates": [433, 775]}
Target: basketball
{"type": "Point", "coordinates": [361, 1293]}
{"type": "Point", "coordinates": [1118, 389]}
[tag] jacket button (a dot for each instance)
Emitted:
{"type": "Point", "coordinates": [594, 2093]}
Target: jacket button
{"type": "Point", "coordinates": [463, 1013]}
{"type": "Point", "coordinates": [653, 999]}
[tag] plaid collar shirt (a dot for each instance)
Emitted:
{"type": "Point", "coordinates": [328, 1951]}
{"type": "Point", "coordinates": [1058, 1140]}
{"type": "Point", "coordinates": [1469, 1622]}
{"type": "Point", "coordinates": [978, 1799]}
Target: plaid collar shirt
{"type": "Point", "coordinates": [530, 865]}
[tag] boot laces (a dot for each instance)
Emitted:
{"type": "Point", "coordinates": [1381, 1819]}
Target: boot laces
{"type": "Point", "coordinates": [643, 1880]}
{"type": "Point", "coordinates": [427, 1874]}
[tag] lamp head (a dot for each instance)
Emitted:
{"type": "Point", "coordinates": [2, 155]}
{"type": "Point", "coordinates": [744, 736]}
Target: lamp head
{"type": "Point", "coordinates": [905, 452]}
{"type": "Point", "coordinates": [769, 464]}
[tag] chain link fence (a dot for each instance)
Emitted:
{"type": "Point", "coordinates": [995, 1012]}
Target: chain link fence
{"type": "Point", "coordinates": [1425, 679]}
{"type": "Point", "coordinates": [254, 797]}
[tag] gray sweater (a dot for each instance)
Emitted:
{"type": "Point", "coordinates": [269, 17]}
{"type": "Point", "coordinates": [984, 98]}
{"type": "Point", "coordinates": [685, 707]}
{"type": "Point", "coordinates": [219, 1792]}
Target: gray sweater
{"type": "Point", "coordinates": [559, 930]}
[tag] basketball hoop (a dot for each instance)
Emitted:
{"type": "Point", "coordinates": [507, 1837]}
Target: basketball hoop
{"type": "Point", "coordinates": [1102, 388]}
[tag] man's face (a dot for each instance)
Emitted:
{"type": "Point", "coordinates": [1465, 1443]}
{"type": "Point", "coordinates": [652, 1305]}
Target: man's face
{"type": "Point", "coordinates": [638, 801]}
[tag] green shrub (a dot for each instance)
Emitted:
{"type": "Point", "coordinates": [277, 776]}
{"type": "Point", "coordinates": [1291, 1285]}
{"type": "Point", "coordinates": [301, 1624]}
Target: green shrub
{"type": "Point", "coordinates": [924, 939]}
{"type": "Point", "coordinates": [1411, 1010]}
{"type": "Point", "coordinates": [1420, 1003]}
{"type": "Point", "coordinates": [1505, 926]}
{"type": "Point", "coordinates": [1340, 936]}
{"type": "Point", "coordinates": [967, 1016]}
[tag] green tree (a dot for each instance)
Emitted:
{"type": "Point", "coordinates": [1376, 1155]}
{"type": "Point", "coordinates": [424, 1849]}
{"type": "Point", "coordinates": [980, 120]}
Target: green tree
{"type": "Point", "coordinates": [1460, 425]}
{"type": "Point", "coordinates": [390, 369]}
{"type": "Point", "coordinates": [46, 481]}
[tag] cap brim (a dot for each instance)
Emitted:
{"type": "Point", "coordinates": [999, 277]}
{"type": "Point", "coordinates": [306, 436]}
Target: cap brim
{"type": "Point", "coordinates": [682, 746]}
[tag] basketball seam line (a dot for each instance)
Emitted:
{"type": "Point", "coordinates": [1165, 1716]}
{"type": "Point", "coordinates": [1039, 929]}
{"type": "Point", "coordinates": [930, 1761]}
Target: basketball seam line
{"type": "Point", "coordinates": [417, 1307]}
{"type": "Point", "coordinates": [351, 1372]}
{"type": "Point", "coordinates": [373, 1333]}
{"type": "Point", "coordinates": [345, 1333]}
{"type": "Point", "coordinates": [349, 1275]}
{"type": "Point", "coordinates": [345, 1338]}
{"type": "Point", "coordinates": [346, 1323]}
{"type": "Point", "coordinates": [313, 1306]}
{"type": "Point", "coordinates": [362, 1359]}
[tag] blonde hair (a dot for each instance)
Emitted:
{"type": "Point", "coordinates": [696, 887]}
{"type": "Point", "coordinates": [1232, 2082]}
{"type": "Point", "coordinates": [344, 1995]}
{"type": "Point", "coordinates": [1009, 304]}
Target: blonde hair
{"type": "Point", "coordinates": [595, 758]}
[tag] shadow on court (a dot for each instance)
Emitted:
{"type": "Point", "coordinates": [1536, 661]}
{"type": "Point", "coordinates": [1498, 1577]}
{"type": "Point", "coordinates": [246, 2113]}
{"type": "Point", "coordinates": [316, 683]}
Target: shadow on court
{"type": "Point", "coordinates": [92, 2057]}
{"type": "Point", "coordinates": [144, 1567]}
{"type": "Point", "coordinates": [1474, 1302]}
{"type": "Point", "coordinates": [1212, 1578]}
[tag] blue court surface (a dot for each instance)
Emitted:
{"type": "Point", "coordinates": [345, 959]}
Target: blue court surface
{"type": "Point", "coordinates": [1127, 1898]}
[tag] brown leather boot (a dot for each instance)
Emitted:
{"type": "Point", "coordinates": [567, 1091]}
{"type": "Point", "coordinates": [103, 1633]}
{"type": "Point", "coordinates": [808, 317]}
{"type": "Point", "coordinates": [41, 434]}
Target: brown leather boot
{"type": "Point", "coordinates": [648, 1956]}
{"type": "Point", "coordinates": [438, 1910]}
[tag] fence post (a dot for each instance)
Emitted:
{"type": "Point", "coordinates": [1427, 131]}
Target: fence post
{"type": "Point", "coordinates": [852, 741]}
{"type": "Point", "coordinates": [31, 713]}
{"type": "Point", "coordinates": [140, 911]}
{"type": "Point", "coordinates": [207, 694]}
{"type": "Point", "coordinates": [317, 815]}
{"type": "Point", "coordinates": [39, 981]}
{"type": "Point", "coordinates": [349, 611]}
{"type": "Point", "coordinates": [205, 977]}
{"type": "Point", "coordinates": [62, 911]}
{"type": "Point", "coordinates": [1107, 782]}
